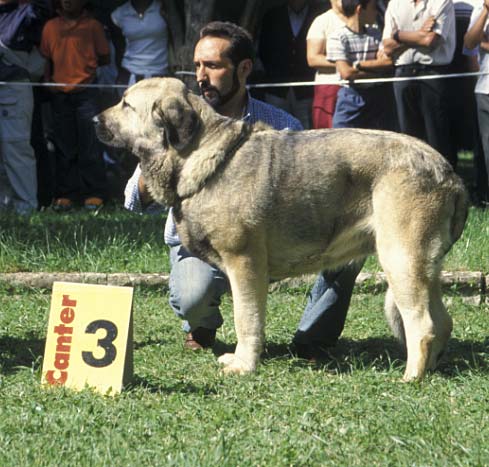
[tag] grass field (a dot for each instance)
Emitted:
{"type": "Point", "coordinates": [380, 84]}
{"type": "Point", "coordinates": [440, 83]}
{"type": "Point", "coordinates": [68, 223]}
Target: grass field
{"type": "Point", "coordinates": [115, 240]}
{"type": "Point", "coordinates": [350, 410]}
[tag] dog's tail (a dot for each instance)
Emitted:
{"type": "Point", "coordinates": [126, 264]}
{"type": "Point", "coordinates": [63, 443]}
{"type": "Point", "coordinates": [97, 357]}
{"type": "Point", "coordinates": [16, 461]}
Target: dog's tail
{"type": "Point", "coordinates": [460, 211]}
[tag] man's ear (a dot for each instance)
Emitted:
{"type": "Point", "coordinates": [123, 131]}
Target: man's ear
{"type": "Point", "coordinates": [179, 120]}
{"type": "Point", "coordinates": [245, 67]}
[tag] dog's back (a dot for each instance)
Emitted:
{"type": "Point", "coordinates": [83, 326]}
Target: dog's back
{"type": "Point", "coordinates": [316, 191]}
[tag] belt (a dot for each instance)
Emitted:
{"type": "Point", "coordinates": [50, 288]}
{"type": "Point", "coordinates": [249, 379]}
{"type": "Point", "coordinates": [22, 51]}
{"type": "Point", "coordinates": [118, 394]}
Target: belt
{"type": "Point", "coordinates": [423, 67]}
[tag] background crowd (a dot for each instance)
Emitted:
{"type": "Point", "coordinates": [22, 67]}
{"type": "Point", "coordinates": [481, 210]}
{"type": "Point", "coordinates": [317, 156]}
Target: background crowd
{"type": "Point", "coordinates": [49, 155]}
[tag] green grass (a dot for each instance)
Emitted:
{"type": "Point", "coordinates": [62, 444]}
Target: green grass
{"type": "Point", "coordinates": [115, 240]}
{"type": "Point", "coordinates": [350, 410]}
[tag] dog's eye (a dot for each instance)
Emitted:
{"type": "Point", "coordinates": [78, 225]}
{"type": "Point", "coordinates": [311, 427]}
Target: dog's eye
{"type": "Point", "coordinates": [126, 105]}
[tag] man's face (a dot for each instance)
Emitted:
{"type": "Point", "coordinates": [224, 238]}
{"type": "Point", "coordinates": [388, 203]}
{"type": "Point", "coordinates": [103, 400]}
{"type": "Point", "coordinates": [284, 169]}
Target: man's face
{"type": "Point", "coordinates": [217, 77]}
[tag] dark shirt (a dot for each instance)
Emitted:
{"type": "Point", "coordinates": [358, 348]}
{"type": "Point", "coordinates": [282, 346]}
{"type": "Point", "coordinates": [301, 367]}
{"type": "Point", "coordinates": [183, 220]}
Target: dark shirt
{"type": "Point", "coordinates": [21, 25]}
{"type": "Point", "coordinates": [284, 56]}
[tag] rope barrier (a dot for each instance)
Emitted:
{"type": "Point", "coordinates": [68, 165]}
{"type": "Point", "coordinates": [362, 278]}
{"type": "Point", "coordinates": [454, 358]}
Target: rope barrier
{"type": "Point", "coordinates": [333, 80]}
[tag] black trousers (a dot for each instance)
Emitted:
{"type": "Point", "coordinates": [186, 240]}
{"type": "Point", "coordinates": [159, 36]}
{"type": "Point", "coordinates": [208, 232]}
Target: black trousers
{"type": "Point", "coordinates": [422, 107]}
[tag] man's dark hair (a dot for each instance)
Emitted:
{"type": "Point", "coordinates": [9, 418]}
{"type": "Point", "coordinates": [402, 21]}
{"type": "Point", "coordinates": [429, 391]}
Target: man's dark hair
{"type": "Point", "coordinates": [349, 6]}
{"type": "Point", "coordinates": [241, 42]}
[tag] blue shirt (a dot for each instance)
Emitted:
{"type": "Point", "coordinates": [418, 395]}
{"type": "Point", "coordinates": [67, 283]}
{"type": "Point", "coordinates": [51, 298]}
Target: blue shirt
{"type": "Point", "coordinates": [21, 25]}
{"type": "Point", "coordinates": [256, 111]}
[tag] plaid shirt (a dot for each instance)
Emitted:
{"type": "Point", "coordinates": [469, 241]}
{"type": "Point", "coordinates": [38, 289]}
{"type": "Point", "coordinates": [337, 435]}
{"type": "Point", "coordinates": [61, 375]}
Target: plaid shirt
{"type": "Point", "coordinates": [256, 111]}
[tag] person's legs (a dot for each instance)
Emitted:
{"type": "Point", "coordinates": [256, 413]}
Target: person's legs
{"type": "Point", "coordinates": [406, 96]}
{"type": "Point", "coordinates": [483, 118]}
{"type": "Point", "coordinates": [301, 108]}
{"type": "Point", "coordinates": [349, 108]}
{"type": "Point", "coordinates": [323, 105]}
{"type": "Point", "coordinates": [435, 111]}
{"type": "Point", "coordinates": [19, 186]}
{"type": "Point", "coordinates": [324, 316]}
{"type": "Point", "coordinates": [196, 289]}
{"type": "Point", "coordinates": [65, 138]}
{"type": "Point", "coordinates": [91, 165]}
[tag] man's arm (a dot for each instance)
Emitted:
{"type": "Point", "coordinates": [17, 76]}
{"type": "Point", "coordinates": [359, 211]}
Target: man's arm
{"type": "Point", "coordinates": [316, 56]}
{"type": "Point", "coordinates": [475, 34]}
{"type": "Point", "coordinates": [364, 68]}
{"type": "Point", "coordinates": [136, 195]}
{"type": "Point", "coordinates": [402, 40]}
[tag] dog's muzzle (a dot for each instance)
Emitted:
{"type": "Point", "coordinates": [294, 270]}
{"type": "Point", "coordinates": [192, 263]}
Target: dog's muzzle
{"type": "Point", "coordinates": [103, 133]}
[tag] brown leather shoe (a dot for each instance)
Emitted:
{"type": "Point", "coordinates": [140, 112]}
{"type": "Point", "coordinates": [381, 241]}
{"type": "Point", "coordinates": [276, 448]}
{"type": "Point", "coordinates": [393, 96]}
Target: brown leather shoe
{"type": "Point", "coordinates": [200, 338]}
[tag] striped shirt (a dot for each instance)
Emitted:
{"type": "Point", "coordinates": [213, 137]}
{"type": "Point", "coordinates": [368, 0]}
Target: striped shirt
{"type": "Point", "coordinates": [350, 46]}
{"type": "Point", "coordinates": [256, 111]}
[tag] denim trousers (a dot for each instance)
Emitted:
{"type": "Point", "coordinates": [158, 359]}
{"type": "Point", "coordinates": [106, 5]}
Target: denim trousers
{"type": "Point", "coordinates": [18, 178]}
{"type": "Point", "coordinates": [196, 289]}
{"type": "Point", "coordinates": [80, 168]}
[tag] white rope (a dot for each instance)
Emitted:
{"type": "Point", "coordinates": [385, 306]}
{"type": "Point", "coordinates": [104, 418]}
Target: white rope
{"type": "Point", "coordinates": [333, 80]}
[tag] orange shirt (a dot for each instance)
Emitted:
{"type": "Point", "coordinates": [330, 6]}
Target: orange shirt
{"type": "Point", "coordinates": [73, 46]}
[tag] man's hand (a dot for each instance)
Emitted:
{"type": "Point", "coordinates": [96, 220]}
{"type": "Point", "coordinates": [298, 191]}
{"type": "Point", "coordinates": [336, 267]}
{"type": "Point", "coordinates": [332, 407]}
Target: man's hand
{"type": "Point", "coordinates": [429, 24]}
{"type": "Point", "coordinates": [144, 194]}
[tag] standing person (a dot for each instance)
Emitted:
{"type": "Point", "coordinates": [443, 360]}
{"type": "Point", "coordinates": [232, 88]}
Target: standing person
{"type": "Point", "coordinates": [477, 36]}
{"type": "Point", "coordinates": [75, 45]}
{"type": "Point", "coordinates": [282, 51]}
{"type": "Point", "coordinates": [420, 37]}
{"type": "Point", "coordinates": [325, 95]}
{"type": "Point", "coordinates": [143, 51]}
{"type": "Point", "coordinates": [354, 49]}
{"type": "Point", "coordinates": [142, 40]}
{"type": "Point", "coordinates": [223, 59]}
{"type": "Point", "coordinates": [20, 34]}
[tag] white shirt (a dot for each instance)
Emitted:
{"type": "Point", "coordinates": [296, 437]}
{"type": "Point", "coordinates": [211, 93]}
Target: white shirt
{"type": "Point", "coordinates": [322, 26]}
{"type": "Point", "coordinates": [406, 15]}
{"type": "Point", "coordinates": [482, 86]}
{"type": "Point", "coordinates": [146, 39]}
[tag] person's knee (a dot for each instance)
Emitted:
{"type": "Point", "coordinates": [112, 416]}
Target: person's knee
{"type": "Point", "coordinates": [193, 300]}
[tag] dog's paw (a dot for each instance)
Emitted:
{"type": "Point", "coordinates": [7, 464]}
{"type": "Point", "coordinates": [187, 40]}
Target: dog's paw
{"type": "Point", "coordinates": [234, 365]}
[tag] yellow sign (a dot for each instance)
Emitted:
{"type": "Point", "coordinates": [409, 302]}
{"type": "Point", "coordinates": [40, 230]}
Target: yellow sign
{"type": "Point", "coordinates": [89, 339]}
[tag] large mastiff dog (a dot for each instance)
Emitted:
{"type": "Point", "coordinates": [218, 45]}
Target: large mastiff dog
{"type": "Point", "coordinates": [264, 204]}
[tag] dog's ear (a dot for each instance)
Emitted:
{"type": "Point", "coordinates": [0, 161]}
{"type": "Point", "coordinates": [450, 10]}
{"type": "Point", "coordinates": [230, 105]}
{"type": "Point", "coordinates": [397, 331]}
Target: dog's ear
{"type": "Point", "coordinates": [180, 121]}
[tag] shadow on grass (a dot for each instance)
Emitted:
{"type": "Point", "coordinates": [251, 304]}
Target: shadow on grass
{"type": "Point", "coordinates": [462, 356]}
{"type": "Point", "coordinates": [19, 353]}
{"type": "Point", "coordinates": [156, 386]}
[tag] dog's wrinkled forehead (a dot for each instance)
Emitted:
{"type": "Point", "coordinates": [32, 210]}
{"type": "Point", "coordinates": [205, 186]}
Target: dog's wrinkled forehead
{"type": "Point", "coordinates": [145, 92]}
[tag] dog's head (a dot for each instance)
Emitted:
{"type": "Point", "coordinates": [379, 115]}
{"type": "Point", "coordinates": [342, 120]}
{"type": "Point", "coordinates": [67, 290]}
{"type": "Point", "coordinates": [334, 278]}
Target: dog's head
{"type": "Point", "coordinates": [152, 113]}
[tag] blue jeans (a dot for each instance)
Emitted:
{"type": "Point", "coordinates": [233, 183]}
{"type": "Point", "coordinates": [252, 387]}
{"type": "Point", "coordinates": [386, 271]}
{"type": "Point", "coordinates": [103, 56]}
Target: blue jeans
{"type": "Point", "coordinates": [324, 317]}
{"type": "Point", "coordinates": [358, 107]}
{"type": "Point", "coordinates": [196, 289]}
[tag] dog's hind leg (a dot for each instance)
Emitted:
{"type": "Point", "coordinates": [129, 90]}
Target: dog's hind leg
{"type": "Point", "coordinates": [410, 250]}
{"type": "Point", "coordinates": [394, 318]}
{"type": "Point", "coordinates": [248, 276]}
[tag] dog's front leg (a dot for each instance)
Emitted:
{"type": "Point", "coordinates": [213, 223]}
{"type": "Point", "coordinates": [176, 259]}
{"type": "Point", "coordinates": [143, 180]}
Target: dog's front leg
{"type": "Point", "coordinates": [248, 276]}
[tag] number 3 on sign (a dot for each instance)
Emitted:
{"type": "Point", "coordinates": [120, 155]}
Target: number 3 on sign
{"type": "Point", "coordinates": [89, 338]}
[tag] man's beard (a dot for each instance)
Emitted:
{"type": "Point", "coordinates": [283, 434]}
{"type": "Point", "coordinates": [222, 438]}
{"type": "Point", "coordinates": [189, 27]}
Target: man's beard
{"type": "Point", "coordinates": [217, 99]}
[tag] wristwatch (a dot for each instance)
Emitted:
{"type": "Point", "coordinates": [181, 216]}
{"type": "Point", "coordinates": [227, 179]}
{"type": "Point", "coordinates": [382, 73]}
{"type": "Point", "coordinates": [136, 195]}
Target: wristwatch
{"type": "Point", "coordinates": [357, 66]}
